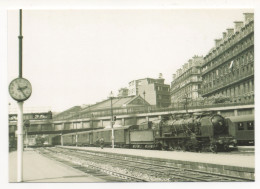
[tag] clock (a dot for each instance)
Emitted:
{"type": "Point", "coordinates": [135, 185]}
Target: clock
{"type": "Point", "coordinates": [20, 89]}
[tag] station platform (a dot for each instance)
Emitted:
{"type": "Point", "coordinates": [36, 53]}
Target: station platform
{"type": "Point", "coordinates": [237, 160]}
{"type": "Point", "coordinates": [238, 165]}
{"type": "Point", "coordinates": [37, 168]}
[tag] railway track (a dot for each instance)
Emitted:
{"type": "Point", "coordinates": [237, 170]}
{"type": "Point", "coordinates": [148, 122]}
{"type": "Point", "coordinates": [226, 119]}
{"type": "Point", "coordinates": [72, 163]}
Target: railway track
{"type": "Point", "coordinates": [88, 167]}
{"type": "Point", "coordinates": [122, 169]}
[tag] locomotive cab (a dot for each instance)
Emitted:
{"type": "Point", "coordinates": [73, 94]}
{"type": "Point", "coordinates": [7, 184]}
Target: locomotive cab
{"type": "Point", "coordinates": [219, 125]}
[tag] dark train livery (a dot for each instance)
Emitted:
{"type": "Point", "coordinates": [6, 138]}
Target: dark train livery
{"type": "Point", "coordinates": [243, 129]}
{"type": "Point", "coordinates": [187, 132]}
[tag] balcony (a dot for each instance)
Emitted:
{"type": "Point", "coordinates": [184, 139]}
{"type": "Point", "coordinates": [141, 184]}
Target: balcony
{"type": "Point", "coordinates": [231, 55]}
{"type": "Point", "coordinates": [228, 58]}
{"type": "Point", "coordinates": [231, 81]}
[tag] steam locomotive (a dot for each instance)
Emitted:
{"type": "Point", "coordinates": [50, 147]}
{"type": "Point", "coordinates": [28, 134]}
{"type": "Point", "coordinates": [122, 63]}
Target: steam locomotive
{"type": "Point", "coordinates": [197, 132]}
{"type": "Point", "coordinates": [186, 132]}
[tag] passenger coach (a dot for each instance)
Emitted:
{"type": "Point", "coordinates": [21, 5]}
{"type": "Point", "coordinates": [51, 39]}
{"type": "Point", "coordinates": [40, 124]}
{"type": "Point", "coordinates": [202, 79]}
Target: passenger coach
{"type": "Point", "coordinates": [243, 129]}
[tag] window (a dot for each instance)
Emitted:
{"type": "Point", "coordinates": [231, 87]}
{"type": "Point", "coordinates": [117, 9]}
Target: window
{"type": "Point", "coordinates": [250, 125]}
{"type": "Point", "coordinates": [240, 126]}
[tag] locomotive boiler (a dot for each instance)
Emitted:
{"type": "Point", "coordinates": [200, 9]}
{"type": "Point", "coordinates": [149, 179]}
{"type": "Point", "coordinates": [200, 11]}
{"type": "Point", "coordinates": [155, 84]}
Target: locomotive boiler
{"type": "Point", "coordinates": [197, 132]}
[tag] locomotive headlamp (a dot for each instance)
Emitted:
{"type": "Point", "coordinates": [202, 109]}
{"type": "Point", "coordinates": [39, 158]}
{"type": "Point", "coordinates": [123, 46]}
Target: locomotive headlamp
{"type": "Point", "coordinates": [220, 141]}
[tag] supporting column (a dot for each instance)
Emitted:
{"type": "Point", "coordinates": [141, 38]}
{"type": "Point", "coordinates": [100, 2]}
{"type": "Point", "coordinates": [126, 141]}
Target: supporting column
{"type": "Point", "coordinates": [61, 139]}
{"type": "Point", "coordinates": [135, 120]}
{"type": "Point", "coordinates": [76, 138]}
{"type": "Point", "coordinates": [235, 113]}
{"type": "Point", "coordinates": [20, 142]}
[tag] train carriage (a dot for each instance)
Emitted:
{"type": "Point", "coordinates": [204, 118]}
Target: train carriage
{"type": "Point", "coordinates": [56, 140]}
{"type": "Point", "coordinates": [91, 138]}
{"type": "Point", "coordinates": [121, 135]}
{"type": "Point", "coordinates": [84, 139]}
{"type": "Point", "coordinates": [142, 139]}
{"type": "Point", "coordinates": [68, 139]}
{"type": "Point", "coordinates": [242, 128]}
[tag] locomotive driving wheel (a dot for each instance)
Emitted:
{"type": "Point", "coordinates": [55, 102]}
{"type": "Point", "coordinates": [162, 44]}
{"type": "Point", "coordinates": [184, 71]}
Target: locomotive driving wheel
{"type": "Point", "coordinates": [213, 148]}
{"type": "Point", "coordinates": [226, 148]}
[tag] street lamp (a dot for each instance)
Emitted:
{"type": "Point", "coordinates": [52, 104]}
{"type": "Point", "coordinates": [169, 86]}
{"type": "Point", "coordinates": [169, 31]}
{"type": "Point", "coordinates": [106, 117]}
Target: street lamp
{"type": "Point", "coordinates": [111, 96]}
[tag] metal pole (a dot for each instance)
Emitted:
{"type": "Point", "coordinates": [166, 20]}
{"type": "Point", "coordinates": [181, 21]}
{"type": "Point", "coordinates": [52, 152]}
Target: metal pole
{"type": "Point", "coordinates": [112, 123]}
{"type": "Point", "coordinates": [20, 142]}
{"type": "Point", "coordinates": [26, 138]}
{"type": "Point", "coordinates": [20, 37]}
{"type": "Point", "coordinates": [20, 113]}
{"type": "Point", "coordinates": [144, 102]}
{"type": "Point", "coordinates": [76, 134]}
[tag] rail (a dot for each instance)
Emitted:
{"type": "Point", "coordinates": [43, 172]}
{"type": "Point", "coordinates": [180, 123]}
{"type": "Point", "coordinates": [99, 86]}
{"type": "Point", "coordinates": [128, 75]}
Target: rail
{"type": "Point", "coordinates": [139, 168]}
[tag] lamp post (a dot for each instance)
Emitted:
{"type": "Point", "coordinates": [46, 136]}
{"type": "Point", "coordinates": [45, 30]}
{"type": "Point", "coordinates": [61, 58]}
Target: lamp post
{"type": "Point", "coordinates": [144, 101]}
{"type": "Point", "coordinates": [76, 134]}
{"type": "Point", "coordinates": [111, 96]}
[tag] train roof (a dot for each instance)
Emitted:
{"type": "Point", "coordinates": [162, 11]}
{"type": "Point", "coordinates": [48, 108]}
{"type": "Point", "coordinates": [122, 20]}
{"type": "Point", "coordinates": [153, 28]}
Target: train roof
{"type": "Point", "coordinates": [241, 118]}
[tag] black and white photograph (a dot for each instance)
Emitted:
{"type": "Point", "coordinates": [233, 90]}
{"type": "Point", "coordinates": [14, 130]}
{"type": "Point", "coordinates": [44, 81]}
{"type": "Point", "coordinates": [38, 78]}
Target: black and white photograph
{"type": "Point", "coordinates": [137, 95]}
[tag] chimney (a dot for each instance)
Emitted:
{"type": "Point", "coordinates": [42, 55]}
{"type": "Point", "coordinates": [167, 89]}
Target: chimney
{"type": "Point", "coordinates": [173, 76]}
{"type": "Point", "coordinates": [160, 76]}
{"type": "Point", "coordinates": [197, 60]}
{"type": "Point", "coordinates": [190, 64]}
{"type": "Point", "coordinates": [238, 25]}
{"type": "Point", "coordinates": [248, 17]}
{"type": "Point", "coordinates": [217, 42]}
{"type": "Point", "coordinates": [230, 32]}
{"type": "Point", "coordinates": [224, 35]}
{"type": "Point", "coordinates": [186, 65]}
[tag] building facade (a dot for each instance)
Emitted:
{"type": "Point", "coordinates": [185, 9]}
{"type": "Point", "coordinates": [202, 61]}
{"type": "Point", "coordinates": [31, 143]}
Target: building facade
{"type": "Point", "coordinates": [187, 81]}
{"type": "Point", "coordinates": [228, 68]}
{"type": "Point", "coordinates": [154, 91]}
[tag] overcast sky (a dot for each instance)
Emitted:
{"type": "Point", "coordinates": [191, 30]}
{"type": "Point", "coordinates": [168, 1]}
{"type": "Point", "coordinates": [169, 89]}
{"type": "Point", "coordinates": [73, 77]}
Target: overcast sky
{"type": "Point", "coordinates": [76, 57]}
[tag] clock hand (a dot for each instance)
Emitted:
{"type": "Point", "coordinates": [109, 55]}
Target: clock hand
{"type": "Point", "coordinates": [23, 93]}
{"type": "Point", "coordinates": [21, 89]}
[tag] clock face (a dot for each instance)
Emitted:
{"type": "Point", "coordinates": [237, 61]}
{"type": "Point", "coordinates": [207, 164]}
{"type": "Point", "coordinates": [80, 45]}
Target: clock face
{"type": "Point", "coordinates": [20, 89]}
